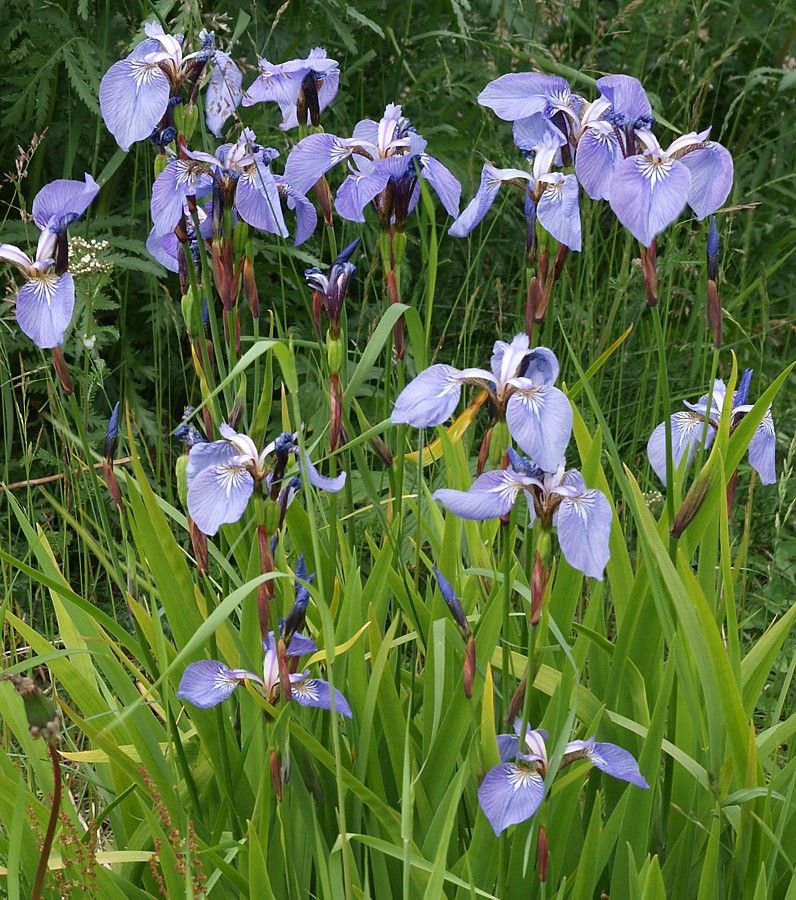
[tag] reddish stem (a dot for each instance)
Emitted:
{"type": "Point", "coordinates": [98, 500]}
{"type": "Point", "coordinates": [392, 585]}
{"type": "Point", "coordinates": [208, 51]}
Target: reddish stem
{"type": "Point", "coordinates": [50, 835]}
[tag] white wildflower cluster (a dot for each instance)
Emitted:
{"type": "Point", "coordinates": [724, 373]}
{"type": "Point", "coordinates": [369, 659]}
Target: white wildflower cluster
{"type": "Point", "coordinates": [653, 499]}
{"type": "Point", "coordinates": [85, 257]}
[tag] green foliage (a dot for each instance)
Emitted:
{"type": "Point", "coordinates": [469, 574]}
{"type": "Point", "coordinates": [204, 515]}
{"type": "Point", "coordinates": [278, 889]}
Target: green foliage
{"type": "Point", "coordinates": [684, 654]}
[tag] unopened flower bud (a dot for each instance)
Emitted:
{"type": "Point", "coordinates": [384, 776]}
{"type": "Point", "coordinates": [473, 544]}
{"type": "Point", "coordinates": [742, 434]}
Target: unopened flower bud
{"type": "Point", "coordinates": [276, 774]}
{"type": "Point", "coordinates": [649, 269]}
{"type": "Point", "coordinates": [160, 163]}
{"type": "Point", "coordinates": [468, 670]}
{"type": "Point", "coordinates": [498, 442]}
{"type": "Point", "coordinates": [181, 471]}
{"type": "Point", "coordinates": [250, 287]}
{"type": "Point", "coordinates": [111, 433]}
{"type": "Point", "coordinates": [324, 195]}
{"type": "Point", "coordinates": [62, 370]}
{"type": "Point", "coordinates": [712, 250]}
{"type": "Point", "coordinates": [199, 544]}
{"type": "Point", "coordinates": [452, 601]}
{"type": "Point", "coordinates": [692, 503]}
{"type": "Point", "coordinates": [186, 118]}
{"type": "Point", "coordinates": [542, 853]}
{"type": "Point", "coordinates": [112, 483]}
{"type": "Point", "coordinates": [335, 354]}
{"type": "Point", "coordinates": [534, 303]}
{"type": "Point", "coordinates": [380, 449]}
{"type": "Point", "coordinates": [483, 451]}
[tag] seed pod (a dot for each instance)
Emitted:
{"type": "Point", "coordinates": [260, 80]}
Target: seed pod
{"type": "Point", "coordinates": [468, 673]}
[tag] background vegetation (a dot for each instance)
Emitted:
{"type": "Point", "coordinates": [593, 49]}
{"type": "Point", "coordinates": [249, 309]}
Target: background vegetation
{"type": "Point", "coordinates": [670, 661]}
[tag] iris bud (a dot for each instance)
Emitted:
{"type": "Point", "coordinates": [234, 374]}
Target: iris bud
{"type": "Point", "coordinates": [186, 117]}
{"type": "Point", "coordinates": [161, 161]}
{"type": "Point", "coordinates": [497, 442]}
{"type": "Point", "coordinates": [334, 352]}
{"type": "Point", "coordinates": [272, 515]}
{"type": "Point", "coordinates": [181, 471]}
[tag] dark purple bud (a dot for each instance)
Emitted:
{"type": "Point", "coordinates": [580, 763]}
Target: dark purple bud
{"type": "Point", "coordinates": [111, 433]}
{"type": "Point", "coordinates": [530, 224]}
{"type": "Point", "coordinates": [713, 250]}
{"type": "Point", "coordinates": [346, 254]}
{"type": "Point", "coordinates": [160, 137]}
{"type": "Point", "coordinates": [295, 618]}
{"type": "Point", "coordinates": [453, 602]}
{"type": "Point", "coordinates": [187, 433]}
{"type": "Point", "coordinates": [741, 395]}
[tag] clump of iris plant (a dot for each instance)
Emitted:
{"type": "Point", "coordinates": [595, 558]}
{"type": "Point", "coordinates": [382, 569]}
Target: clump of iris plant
{"type": "Point", "coordinates": [702, 418]}
{"type": "Point", "coordinates": [616, 157]}
{"type": "Point", "coordinates": [386, 161]}
{"type": "Point", "coordinates": [138, 94]}
{"type": "Point", "coordinates": [46, 300]}
{"type": "Point", "coordinates": [512, 791]}
{"type": "Point", "coordinates": [521, 386]}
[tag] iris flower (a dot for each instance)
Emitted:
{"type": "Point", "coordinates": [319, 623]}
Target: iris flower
{"type": "Point", "coordinates": [649, 190]}
{"type": "Point", "coordinates": [549, 196]}
{"type": "Point", "coordinates": [388, 158]}
{"type": "Point", "coordinates": [520, 384]}
{"type": "Point", "coordinates": [303, 88]}
{"type": "Point", "coordinates": [580, 515]}
{"type": "Point", "coordinates": [207, 682]}
{"type": "Point", "coordinates": [512, 791]}
{"type": "Point", "coordinates": [222, 476]}
{"type": "Point", "coordinates": [135, 93]}
{"type": "Point", "coordinates": [688, 427]}
{"type": "Point", "coordinates": [46, 301]}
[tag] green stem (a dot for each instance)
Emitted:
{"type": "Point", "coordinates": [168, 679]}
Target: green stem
{"type": "Point", "coordinates": [667, 412]}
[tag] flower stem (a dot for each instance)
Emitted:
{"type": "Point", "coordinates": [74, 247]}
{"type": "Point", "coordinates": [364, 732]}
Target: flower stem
{"type": "Point", "coordinates": [667, 412]}
{"type": "Point", "coordinates": [44, 857]}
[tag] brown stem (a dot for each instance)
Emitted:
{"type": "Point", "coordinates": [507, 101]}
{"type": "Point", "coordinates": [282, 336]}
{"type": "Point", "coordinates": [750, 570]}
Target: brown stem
{"type": "Point", "coordinates": [50, 835]}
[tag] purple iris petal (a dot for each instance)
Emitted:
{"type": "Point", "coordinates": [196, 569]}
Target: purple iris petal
{"type": "Point", "coordinates": [312, 158]}
{"type": "Point", "coordinates": [180, 179]}
{"type": "Point", "coordinates": [360, 187]}
{"type": "Point", "coordinates": [508, 360]}
{"type": "Point", "coordinates": [306, 215]}
{"type": "Point", "coordinates": [537, 132]}
{"type": "Point", "coordinates": [687, 428]}
{"type": "Point", "coordinates": [301, 645]}
{"type": "Point", "coordinates": [762, 450]}
{"type": "Point", "coordinates": [540, 421]}
{"type": "Point", "coordinates": [507, 747]}
{"type": "Point", "coordinates": [711, 171]}
{"type": "Point", "coordinates": [648, 194]}
{"type": "Point", "coordinates": [541, 366]}
{"type": "Point", "coordinates": [510, 793]}
{"type": "Point", "coordinates": [612, 760]}
{"type": "Point", "coordinates": [316, 692]}
{"type": "Point", "coordinates": [165, 248]}
{"type": "Point", "coordinates": [521, 94]}
{"type": "Point", "coordinates": [223, 92]}
{"type": "Point", "coordinates": [257, 199]}
{"type": "Point", "coordinates": [218, 495]}
{"type": "Point", "coordinates": [596, 158]}
{"type": "Point", "coordinates": [207, 682]}
{"type": "Point", "coordinates": [447, 188]}
{"type": "Point", "coordinates": [583, 525]}
{"type": "Point", "coordinates": [210, 453]}
{"type": "Point", "coordinates": [478, 207]}
{"type": "Point", "coordinates": [44, 307]}
{"type": "Point", "coordinates": [134, 94]}
{"type": "Point", "coordinates": [63, 199]}
{"type": "Point", "coordinates": [430, 398]}
{"type": "Point", "coordinates": [490, 496]}
{"type": "Point", "coordinates": [558, 211]}
{"type": "Point", "coordinates": [626, 95]}
{"type": "Point", "coordinates": [323, 482]}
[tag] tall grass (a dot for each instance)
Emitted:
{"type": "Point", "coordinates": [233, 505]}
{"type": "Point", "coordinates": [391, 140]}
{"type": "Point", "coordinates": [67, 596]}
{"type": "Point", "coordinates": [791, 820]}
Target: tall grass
{"type": "Point", "coordinates": [683, 654]}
